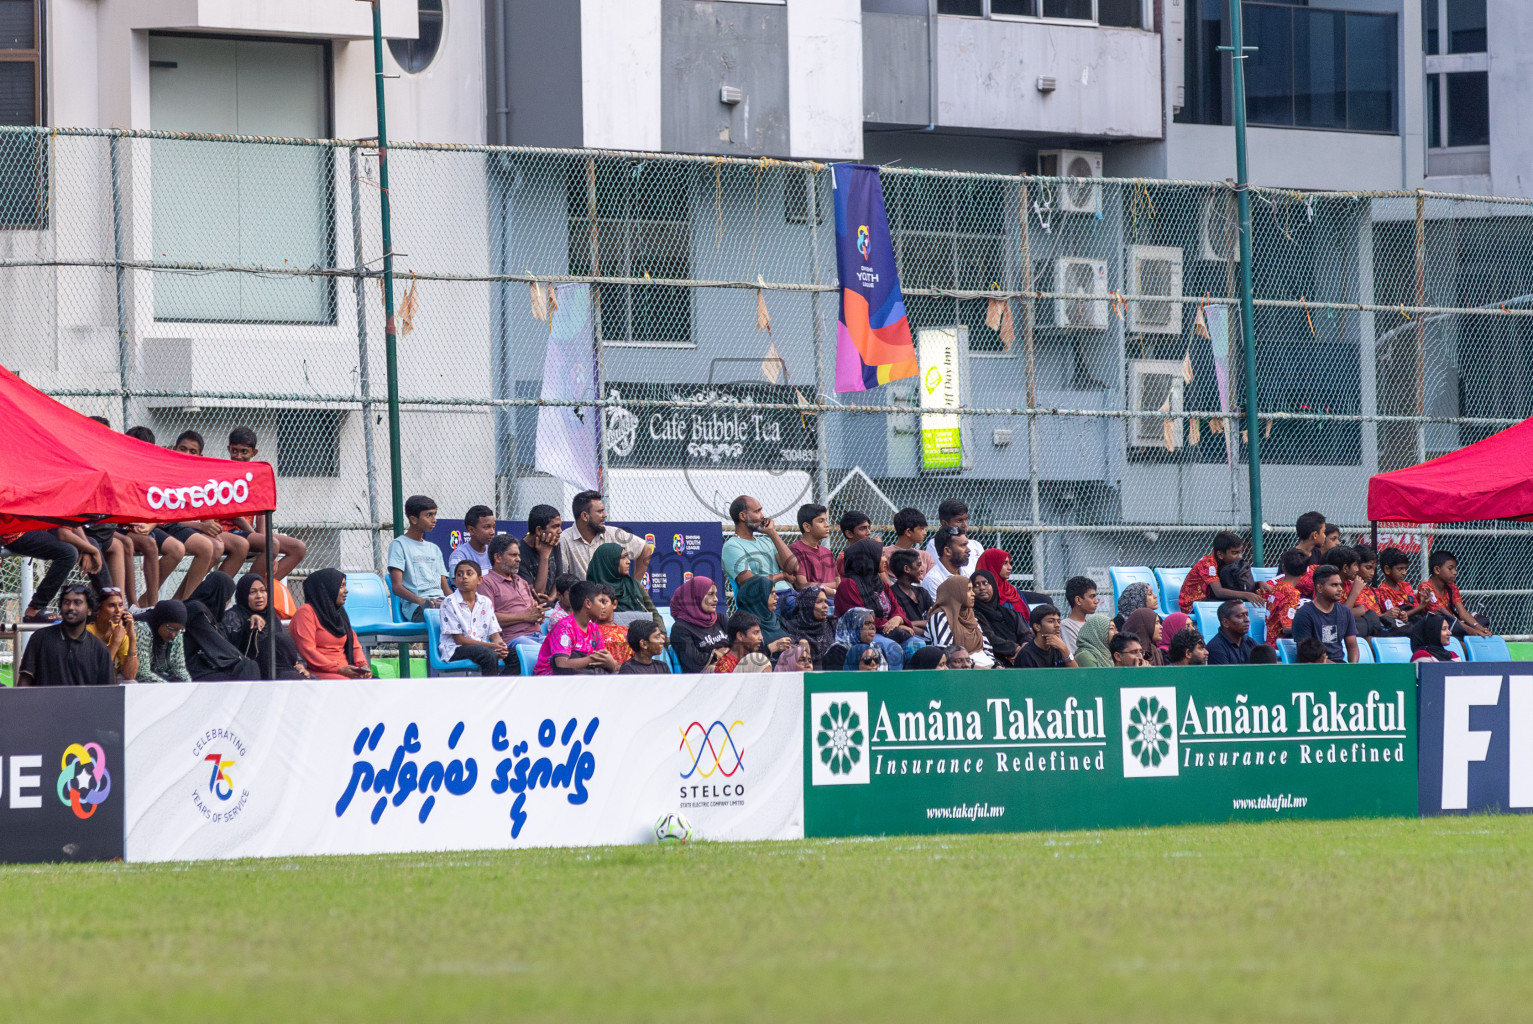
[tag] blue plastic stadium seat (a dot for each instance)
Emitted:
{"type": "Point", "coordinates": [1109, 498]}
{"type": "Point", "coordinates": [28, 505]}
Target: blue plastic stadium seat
{"type": "Point", "coordinates": [1364, 652]}
{"type": "Point", "coordinates": [1288, 651]}
{"type": "Point", "coordinates": [1487, 648]}
{"type": "Point", "coordinates": [526, 656]}
{"type": "Point", "coordinates": [1171, 587]}
{"type": "Point", "coordinates": [1265, 575]}
{"type": "Point", "coordinates": [1392, 650]}
{"type": "Point", "coordinates": [1457, 647]}
{"type": "Point", "coordinates": [1122, 575]}
{"type": "Point", "coordinates": [667, 618]}
{"type": "Point", "coordinates": [1258, 629]}
{"type": "Point", "coordinates": [675, 663]}
{"type": "Point", "coordinates": [370, 608]}
{"type": "Point", "coordinates": [1205, 615]}
{"type": "Point", "coordinates": [435, 666]}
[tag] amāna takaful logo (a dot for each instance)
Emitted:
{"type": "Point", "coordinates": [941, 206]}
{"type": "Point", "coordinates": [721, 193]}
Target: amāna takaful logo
{"type": "Point", "coordinates": [1149, 730]}
{"type": "Point", "coordinates": [839, 738]}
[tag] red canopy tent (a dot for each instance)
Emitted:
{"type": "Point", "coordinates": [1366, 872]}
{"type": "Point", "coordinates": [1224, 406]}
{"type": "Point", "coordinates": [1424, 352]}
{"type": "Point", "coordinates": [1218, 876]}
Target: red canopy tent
{"type": "Point", "coordinates": [59, 467]}
{"type": "Point", "coordinates": [1491, 479]}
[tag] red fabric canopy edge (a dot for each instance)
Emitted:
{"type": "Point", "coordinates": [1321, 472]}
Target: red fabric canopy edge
{"type": "Point", "coordinates": [1490, 479]}
{"type": "Point", "coordinates": [58, 467]}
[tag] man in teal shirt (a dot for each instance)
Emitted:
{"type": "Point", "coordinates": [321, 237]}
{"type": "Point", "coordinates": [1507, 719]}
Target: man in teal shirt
{"type": "Point", "coordinates": [755, 549]}
{"type": "Point", "coordinates": [417, 574]}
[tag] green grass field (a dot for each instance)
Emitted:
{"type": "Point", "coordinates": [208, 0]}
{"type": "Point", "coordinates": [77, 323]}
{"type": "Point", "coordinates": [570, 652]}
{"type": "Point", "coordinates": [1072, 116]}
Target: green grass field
{"type": "Point", "coordinates": [1398, 920]}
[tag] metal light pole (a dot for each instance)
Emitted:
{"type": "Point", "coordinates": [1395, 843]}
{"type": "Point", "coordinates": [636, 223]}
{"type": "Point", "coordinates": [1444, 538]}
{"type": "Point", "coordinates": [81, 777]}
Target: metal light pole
{"type": "Point", "coordinates": [390, 341]}
{"type": "Point", "coordinates": [1238, 51]}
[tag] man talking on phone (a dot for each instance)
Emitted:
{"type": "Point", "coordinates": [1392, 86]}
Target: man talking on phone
{"type": "Point", "coordinates": [755, 549]}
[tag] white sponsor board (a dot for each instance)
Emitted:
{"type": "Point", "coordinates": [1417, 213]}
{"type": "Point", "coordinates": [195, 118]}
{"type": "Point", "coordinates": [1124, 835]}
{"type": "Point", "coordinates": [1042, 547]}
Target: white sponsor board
{"type": "Point", "coordinates": [378, 766]}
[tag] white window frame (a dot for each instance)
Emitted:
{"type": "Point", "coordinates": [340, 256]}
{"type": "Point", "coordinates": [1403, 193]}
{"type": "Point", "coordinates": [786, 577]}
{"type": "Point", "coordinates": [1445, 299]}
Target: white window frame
{"type": "Point", "coordinates": [1439, 65]}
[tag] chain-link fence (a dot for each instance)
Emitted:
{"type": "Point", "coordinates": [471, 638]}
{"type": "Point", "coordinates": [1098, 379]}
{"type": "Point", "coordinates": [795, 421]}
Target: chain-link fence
{"type": "Point", "coordinates": [201, 283]}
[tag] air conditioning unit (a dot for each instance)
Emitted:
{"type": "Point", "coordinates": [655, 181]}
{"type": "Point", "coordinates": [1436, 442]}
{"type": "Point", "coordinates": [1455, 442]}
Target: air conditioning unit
{"type": "Point", "coordinates": [1155, 270]}
{"type": "Point", "coordinates": [1073, 163]}
{"type": "Point", "coordinates": [1085, 282]}
{"type": "Point", "coordinates": [1154, 385]}
{"type": "Point", "coordinates": [1219, 228]}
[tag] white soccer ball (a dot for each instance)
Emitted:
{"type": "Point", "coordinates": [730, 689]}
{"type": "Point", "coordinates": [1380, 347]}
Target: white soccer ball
{"type": "Point", "coordinates": [672, 828]}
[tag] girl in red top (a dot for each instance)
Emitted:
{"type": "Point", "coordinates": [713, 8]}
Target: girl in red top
{"type": "Point", "coordinates": [322, 631]}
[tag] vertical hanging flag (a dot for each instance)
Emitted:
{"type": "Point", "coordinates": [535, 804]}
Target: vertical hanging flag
{"type": "Point", "coordinates": [873, 342]}
{"type": "Point", "coordinates": [568, 435]}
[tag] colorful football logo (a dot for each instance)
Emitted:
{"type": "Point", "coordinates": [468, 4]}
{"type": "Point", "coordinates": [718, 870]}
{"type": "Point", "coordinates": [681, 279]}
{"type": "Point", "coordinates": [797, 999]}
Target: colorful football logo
{"type": "Point", "coordinates": [863, 245]}
{"type": "Point", "coordinates": [679, 544]}
{"type": "Point", "coordinates": [84, 782]}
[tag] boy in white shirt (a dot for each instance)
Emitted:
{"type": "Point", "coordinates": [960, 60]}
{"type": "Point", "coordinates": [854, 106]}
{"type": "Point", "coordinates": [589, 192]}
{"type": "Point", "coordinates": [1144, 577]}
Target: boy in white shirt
{"type": "Point", "coordinates": [470, 630]}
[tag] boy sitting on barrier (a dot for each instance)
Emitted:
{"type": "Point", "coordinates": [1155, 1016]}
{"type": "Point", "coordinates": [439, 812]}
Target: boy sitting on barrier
{"type": "Point", "coordinates": [647, 642]}
{"type": "Point", "coordinates": [1202, 581]}
{"type": "Point", "coordinates": [1439, 593]}
{"type": "Point", "coordinates": [574, 645]}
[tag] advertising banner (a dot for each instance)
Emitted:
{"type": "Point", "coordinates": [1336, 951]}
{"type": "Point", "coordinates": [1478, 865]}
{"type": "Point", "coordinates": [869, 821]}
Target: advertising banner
{"type": "Point", "coordinates": [682, 550]}
{"type": "Point", "coordinates": [733, 432]}
{"type": "Point", "coordinates": [1476, 737]}
{"type": "Point", "coordinates": [377, 766]}
{"type": "Point", "coordinates": [941, 443]}
{"type": "Point", "coordinates": [873, 343]}
{"type": "Point", "coordinates": [1007, 751]}
{"type": "Point", "coordinates": [61, 773]}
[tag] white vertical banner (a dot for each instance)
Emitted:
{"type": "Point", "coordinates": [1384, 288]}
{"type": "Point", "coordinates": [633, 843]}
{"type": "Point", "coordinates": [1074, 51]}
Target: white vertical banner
{"type": "Point", "coordinates": [375, 766]}
{"type": "Point", "coordinates": [939, 353]}
{"type": "Point", "coordinates": [567, 434]}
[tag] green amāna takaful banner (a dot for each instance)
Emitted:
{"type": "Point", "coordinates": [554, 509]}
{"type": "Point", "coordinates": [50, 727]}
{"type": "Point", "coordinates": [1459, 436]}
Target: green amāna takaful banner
{"type": "Point", "coordinates": [1006, 751]}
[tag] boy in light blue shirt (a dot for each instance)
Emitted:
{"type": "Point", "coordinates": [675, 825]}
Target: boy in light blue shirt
{"type": "Point", "coordinates": [417, 574]}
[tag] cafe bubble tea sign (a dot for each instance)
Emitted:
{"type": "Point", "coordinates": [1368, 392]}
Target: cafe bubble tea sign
{"type": "Point", "coordinates": [1006, 751]}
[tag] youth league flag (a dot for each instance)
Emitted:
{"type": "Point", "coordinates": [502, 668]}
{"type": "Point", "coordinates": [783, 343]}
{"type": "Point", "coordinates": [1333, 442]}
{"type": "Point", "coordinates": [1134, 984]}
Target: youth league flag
{"type": "Point", "coordinates": [873, 343]}
{"type": "Point", "coordinates": [567, 434]}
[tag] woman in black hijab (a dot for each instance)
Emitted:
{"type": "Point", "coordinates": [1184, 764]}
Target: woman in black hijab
{"type": "Point", "coordinates": [1429, 636]}
{"type": "Point", "coordinates": [1003, 627]}
{"type": "Point", "coordinates": [245, 626]}
{"type": "Point", "coordinates": [810, 620]}
{"type": "Point", "coordinates": [209, 654]}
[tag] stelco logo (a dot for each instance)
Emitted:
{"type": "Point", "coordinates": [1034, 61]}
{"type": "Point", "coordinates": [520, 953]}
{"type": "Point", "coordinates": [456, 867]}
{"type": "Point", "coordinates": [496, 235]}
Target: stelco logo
{"type": "Point", "coordinates": [214, 492]}
{"type": "Point", "coordinates": [713, 754]}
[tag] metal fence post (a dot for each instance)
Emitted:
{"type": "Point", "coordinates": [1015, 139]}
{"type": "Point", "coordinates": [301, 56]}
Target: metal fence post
{"type": "Point", "coordinates": [823, 480]}
{"type": "Point", "coordinates": [1247, 307]}
{"type": "Point", "coordinates": [359, 283]}
{"type": "Point", "coordinates": [123, 347]}
{"type": "Point", "coordinates": [1032, 384]}
{"type": "Point", "coordinates": [390, 340]}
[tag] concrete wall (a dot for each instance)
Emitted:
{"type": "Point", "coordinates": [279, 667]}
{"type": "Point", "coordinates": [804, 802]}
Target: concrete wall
{"type": "Point", "coordinates": [707, 46]}
{"type": "Point", "coordinates": [620, 73]}
{"type": "Point", "coordinates": [1108, 79]}
{"type": "Point", "coordinates": [1285, 157]}
{"type": "Point", "coordinates": [825, 79]}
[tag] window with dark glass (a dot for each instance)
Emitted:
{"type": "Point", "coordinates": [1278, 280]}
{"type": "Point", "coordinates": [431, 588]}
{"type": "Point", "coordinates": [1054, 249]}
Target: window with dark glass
{"type": "Point", "coordinates": [415, 55]}
{"type": "Point", "coordinates": [1312, 68]}
{"type": "Point", "coordinates": [629, 219]}
{"type": "Point", "coordinates": [23, 158]}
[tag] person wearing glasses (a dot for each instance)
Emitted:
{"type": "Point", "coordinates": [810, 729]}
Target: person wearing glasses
{"type": "Point", "coordinates": [66, 654]}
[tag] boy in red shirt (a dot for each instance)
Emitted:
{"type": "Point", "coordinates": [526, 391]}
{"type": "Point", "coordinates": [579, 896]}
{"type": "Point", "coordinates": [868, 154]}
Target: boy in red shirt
{"type": "Point", "coordinates": [816, 565]}
{"type": "Point", "coordinates": [1282, 596]}
{"type": "Point", "coordinates": [1311, 528]}
{"type": "Point", "coordinates": [1439, 593]}
{"type": "Point", "coordinates": [1395, 596]}
{"type": "Point", "coordinates": [1202, 582]}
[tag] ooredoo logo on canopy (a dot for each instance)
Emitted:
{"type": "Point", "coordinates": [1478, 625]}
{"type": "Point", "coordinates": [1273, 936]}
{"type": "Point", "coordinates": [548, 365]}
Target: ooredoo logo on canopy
{"type": "Point", "coordinates": [214, 492]}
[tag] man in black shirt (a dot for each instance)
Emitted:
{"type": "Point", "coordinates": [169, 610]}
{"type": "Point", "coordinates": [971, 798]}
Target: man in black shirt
{"type": "Point", "coordinates": [66, 654]}
{"type": "Point", "coordinates": [1231, 645]}
{"type": "Point", "coordinates": [542, 559]}
{"type": "Point", "coordinates": [1047, 648]}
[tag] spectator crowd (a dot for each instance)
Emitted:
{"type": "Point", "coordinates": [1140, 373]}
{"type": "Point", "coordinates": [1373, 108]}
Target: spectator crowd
{"type": "Point", "coordinates": [576, 602]}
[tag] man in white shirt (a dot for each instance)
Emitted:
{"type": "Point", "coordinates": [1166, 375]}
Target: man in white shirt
{"type": "Point", "coordinates": [954, 514]}
{"type": "Point", "coordinates": [952, 550]}
{"type": "Point", "coordinates": [592, 531]}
